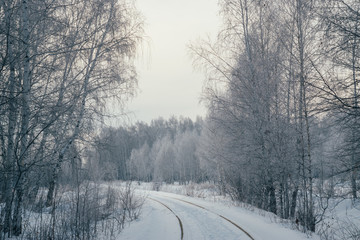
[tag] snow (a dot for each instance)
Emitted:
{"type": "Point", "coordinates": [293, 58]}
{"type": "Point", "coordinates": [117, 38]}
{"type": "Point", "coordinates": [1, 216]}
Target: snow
{"type": "Point", "coordinates": [342, 220]}
{"type": "Point", "coordinates": [199, 223]}
{"type": "Point", "coordinates": [157, 222]}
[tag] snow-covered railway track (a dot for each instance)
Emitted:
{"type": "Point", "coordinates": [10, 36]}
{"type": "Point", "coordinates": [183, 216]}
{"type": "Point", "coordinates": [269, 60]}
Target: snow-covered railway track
{"type": "Point", "coordinates": [173, 217]}
{"type": "Point", "coordinates": [199, 222]}
{"type": "Point", "coordinates": [225, 218]}
{"type": "Point", "coordinates": [180, 223]}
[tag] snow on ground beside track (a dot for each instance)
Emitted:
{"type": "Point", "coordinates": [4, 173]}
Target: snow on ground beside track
{"type": "Point", "coordinates": [260, 224]}
{"type": "Point", "coordinates": [342, 221]}
{"type": "Point", "coordinates": [155, 222]}
{"type": "Point", "coordinates": [261, 228]}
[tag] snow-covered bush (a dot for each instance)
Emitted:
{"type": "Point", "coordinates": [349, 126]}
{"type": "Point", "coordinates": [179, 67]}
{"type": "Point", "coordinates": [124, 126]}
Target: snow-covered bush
{"type": "Point", "coordinates": [130, 202]}
{"type": "Point", "coordinates": [90, 211]}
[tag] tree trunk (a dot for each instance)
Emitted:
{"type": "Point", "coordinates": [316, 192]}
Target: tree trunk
{"type": "Point", "coordinates": [287, 201]}
{"type": "Point", "coordinates": [12, 113]}
{"type": "Point", "coordinates": [272, 202]}
{"type": "Point", "coordinates": [353, 183]}
{"type": "Point", "coordinates": [52, 184]}
{"type": "Point", "coordinates": [92, 61]}
{"type": "Point", "coordinates": [353, 142]}
{"type": "Point", "coordinates": [310, 210]}
{"type": "Point", "coordinates": [17, 218]}
{"type": "Point", "coordinates": [293, 203]}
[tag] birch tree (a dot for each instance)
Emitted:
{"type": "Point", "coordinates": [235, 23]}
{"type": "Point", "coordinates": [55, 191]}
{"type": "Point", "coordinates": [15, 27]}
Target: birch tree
{"type": "Point", "coordinates": [61, 60]}
{"type": "Point", "coordinates": [259, 93]}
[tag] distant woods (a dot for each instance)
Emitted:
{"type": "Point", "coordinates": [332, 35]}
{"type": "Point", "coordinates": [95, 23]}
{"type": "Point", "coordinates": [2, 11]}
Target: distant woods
{"type": "Point", "coordinates": [59, 62]}
{"type": "Point", "coordinates": [162, 151]}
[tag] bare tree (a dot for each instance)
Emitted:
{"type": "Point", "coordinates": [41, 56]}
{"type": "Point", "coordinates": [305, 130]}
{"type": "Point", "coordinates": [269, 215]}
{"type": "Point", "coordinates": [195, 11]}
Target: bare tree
{"type": "Point", "coordinates": [259, 91]}
{"type": "Point", "coordinates": [61, 60]}
{"type": "Point", "coordinates": [341, 27]}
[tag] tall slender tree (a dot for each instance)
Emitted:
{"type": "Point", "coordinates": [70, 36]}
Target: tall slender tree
{"type": "Point", "coordinates": [60, 61]}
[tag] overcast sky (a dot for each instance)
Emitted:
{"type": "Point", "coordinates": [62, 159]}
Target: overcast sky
{"type": "Point", "coordinates": [168, 84]}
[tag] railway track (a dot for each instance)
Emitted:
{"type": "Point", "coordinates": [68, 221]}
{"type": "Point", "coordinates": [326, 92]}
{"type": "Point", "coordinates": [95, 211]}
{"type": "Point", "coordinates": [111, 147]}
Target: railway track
{"type": "Point", "coordinates": [180, 223]}
{"type": "Point", "coordinates": [225, 218]}
{"type": "Point", "coordinates": [199, 206]}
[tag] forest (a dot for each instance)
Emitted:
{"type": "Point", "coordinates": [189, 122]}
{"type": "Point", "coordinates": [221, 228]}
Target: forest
{"type": "Point", "coordinates": [281, 131]}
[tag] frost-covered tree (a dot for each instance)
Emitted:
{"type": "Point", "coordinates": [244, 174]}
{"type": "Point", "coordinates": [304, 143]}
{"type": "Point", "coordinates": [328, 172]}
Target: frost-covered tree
{"type": "Point", "coordinates": [340, 79]}
{"type": "Point", "coordinates": [259, 94]}
{"type": "Point", "coordinates": [60, 61]}
{"type": "Point", "coordinates": [165, 165]}
{"type": "Point", "coordinates": [186, 145]}
{"type": "Point", "coordinates": [141, 164]}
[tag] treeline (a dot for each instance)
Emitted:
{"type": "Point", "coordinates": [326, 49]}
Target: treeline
{"type": "Point", "coordinates": [282, 94]}
{"type": "Point", "coordinates": [164, 150]}
{"type": "Point", "coordinates": [60, 60]}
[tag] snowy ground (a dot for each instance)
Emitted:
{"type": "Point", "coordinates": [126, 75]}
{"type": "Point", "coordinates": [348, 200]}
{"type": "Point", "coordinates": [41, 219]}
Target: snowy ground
{"type": "Point", "coordinates": [158, 222]}
{"type": "Point", "coordinates": [198, 211]}
{"type": "Point", "coordinates": [341, 221]}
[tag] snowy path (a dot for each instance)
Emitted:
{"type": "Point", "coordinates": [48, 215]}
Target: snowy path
{"type": "Point", "coordinates": [166, 217]}
{"type": "Point", "coordinates": [200, 223]}
{"type": "Point", "coordinates": [200, 219]}
{"type": "Point", "coordinates": [221, 216]}
{"type": "Point", "coordinates": [180, 222]}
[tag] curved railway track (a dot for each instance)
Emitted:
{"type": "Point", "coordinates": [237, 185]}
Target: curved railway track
{"type": "Point", "coordinates": [225, 218]}
{"type": "Point", "coordinates": [199, 206]}
{"type": "Point", "coordinates": [180, 223]}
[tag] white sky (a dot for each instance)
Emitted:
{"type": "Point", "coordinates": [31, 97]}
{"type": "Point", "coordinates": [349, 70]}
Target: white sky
{"type": "Point", "coordinates": [168, 84]}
